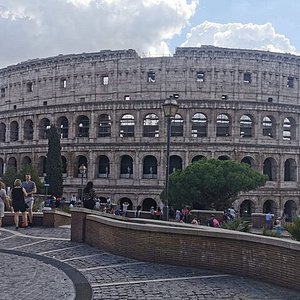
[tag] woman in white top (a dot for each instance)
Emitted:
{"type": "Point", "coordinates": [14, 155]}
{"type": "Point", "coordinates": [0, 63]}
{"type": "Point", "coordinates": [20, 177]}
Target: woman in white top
{"type": "Point", "coordinates": [3, 201]}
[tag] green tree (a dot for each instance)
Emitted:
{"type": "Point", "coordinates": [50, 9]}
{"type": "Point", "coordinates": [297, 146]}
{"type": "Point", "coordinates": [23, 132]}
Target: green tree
{"type": "Point", "coordinates": [212, 182]}
{"type": "Point", "coordinates": [54, 163]}
{"type": "Point", "coordinates": [11, 174]}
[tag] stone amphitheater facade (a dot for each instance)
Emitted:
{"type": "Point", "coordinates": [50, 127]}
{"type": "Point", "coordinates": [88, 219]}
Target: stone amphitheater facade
{"type": "Point", "coordinates": [233, 104]}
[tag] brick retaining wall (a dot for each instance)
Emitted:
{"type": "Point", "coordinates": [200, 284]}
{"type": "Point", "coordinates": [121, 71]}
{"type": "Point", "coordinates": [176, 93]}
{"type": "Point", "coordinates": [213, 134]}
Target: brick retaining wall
{"type": "Point", "coordinates": [270, 259]}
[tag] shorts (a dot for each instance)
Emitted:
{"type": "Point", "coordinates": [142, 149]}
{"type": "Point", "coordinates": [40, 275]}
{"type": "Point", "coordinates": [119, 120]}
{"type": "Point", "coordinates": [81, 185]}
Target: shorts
{"type": "Point", "coordinates": [29, 201]}
{"type": "Point", "coordinates": [1, 209]}
{"type": "Point", "coordinates": [19, 207]}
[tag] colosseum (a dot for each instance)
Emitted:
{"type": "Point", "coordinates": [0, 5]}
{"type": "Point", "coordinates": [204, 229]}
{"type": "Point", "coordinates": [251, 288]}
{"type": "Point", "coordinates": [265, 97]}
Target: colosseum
{"type": "Point", "coordinates": [234, 104]}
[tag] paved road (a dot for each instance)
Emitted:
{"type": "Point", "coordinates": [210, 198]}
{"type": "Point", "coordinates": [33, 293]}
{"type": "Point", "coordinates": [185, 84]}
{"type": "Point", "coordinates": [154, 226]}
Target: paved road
{"type": "Point", "coordinates": [42, 263]}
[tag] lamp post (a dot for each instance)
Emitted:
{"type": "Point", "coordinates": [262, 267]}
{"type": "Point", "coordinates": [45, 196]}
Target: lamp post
{"type": "Point", "coordinates": [82, 170]}
{"type": "Point", "coordinates": [170, 108]}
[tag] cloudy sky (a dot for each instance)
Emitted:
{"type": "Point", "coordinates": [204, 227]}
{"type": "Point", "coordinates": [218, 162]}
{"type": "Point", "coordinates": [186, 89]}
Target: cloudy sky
{"type": "Point", "coordinates": [41, 28]}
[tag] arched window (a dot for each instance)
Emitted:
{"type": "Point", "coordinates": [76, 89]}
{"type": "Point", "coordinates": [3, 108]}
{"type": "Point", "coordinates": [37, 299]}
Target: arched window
{"type": "Point", "coordinates": [151, 128]}
{"type": "Point", "coordinates": [248, 160]}
{"type": "Point", "coordinates": [26, 161]}
{"type": "Point", "coordinates": [103, 167]}
{"type": "Point", "coordinates": [12, 163]}
{"type": "Point", "coordinates": [63, 126]}
{"type": "Point", "coordinates": [28, 130]}
{"type": "Point", "coordinates": [42, 161]}
{"type": "Point", "coordinates": [289, 129]}
{"type": "Point", "coordinates": [148, 203]}
{"type": "Point", "coordinates": [268, 129]}
{"type": "Point", "coordinates": [175, 164]}
{"type": "Point", "coordinates": [223, 157]}
{"type": "Point", "coordinates": [290, 210]}
{"type": "Point", "coordinates": [199, 125]}
{"type": "Point", "coordinates": [127, 126]}
{"type": "Point", "coordinates": [247, 207]}
{"type": "Point", "coordinates": [14, 131]}
{"type": "Point", "coordinates": [44, 127]}
{"type": "Point", "coordinates": [198, 157]}
{"type": "Point", "coordinates": [150, 167]}
{"type": "Point", "coordinates": [270, 206]}
{"type": "Point", "coordinates": [269, 169]}
{"type": "Point", "coordinates": [290, 170]}
{"type": "Point", "coordinates": [64, 166]}
{"type": "Point", "coordinates": [246, 128]}
{"type": "Point", "coordinates": [1, 166]}
{"type": "Point", "coordinates": [126, 166]}
{"type": "Point", "coordinates": [177, 125]}
{"type": "Point", "coordinates": [2, 132]}
{"type": "Point", "coordinates": [223, 125]}
{"type": "Point", "coordinates": [104, 129]}
{"type": "Point", "coordinates": [83, 126]}
{"type": "Point", "coordinates": [81, 160]}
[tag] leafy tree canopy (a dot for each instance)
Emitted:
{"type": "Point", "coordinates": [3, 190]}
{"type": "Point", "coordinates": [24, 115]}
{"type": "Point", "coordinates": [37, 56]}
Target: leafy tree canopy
{"type": "Point", "coordinates": [207, 183]}
{"type": "Point", "coordinates": [11, 174]}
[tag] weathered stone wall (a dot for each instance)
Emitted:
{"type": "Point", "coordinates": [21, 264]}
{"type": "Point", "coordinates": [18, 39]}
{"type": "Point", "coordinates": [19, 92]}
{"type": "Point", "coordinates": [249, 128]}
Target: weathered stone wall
{"type": "Point", "coordinates": [73, 85]}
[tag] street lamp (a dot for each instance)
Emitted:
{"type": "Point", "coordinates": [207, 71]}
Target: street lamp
{"type": "Point", "coordinates": [82, 170]}
{"type": "Point", "coordinates": [170, 108]}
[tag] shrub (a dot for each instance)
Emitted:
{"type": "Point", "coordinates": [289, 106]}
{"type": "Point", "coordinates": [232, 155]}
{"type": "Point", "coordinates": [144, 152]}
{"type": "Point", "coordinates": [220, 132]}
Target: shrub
{"type": "Point", "coordinates": [238, 225]}
{"type": "Point", "coordinates": [294, 229]}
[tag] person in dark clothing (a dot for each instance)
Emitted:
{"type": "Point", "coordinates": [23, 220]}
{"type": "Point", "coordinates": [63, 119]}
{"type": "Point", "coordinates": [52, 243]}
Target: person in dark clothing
{"type": "Point", "coordinates": [89, 199]}
{"type": "Point", "coordinates": [18, 195]}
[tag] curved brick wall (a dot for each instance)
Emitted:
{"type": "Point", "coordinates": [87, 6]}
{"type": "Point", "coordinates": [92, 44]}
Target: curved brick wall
{"type": "Point", "coordinates": [266, 258]}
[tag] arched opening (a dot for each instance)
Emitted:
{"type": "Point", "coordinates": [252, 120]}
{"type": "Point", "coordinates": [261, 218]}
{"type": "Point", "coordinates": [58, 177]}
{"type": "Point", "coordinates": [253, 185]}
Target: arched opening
{"type": "Point", "coordinates": [83, 126]}
{"type": "Point", "coordinates": [175, 164]}
{"type": "Point", "coordinates": [42, 166]}
{"type": "Point", "coordinates": [2, 132]}
{"type": "Point", "coordinates": [12, 163]}
{"type": "Point", "coordinates": [28, 130]}
{"type": "Point", "coordinates": [289, 129]}
{"type": "Point", "coordinates": [44, 127]}
{"type": "Point", "coordinates": [104, 129]}
{"type": "Point", "coordinates": [151, 128]}
{"type": "Point", "coordinates": [125, 199]}
{"type": "Point", "coordinates": [290, 210]}
{"type": "Point", "coordinates": [268, 128]}
{"type": "Point", "coordinates": [64, 166]}
{"type": "Point", "coordinates": [270, 206]}
{"type": "Point", "coordinates": [1, 166]}
{"type": "Point", "coordinates": [269, 169]}
{"type": "Point", "coordinates": [247, 207]}
{"type": "Point", "coordinates": [26, 161]}
{"type": "Point", "coordinates": [223, 125]}
{"type": "Point", "coordinates": [126, 167]}
{"type": "Point", "coordinates": [199, 125]}
{"type": "Point", "coordinates": [150, 167]}
{"type": "Point", "coordinates": [248, 160]}
{"type": "Point", "coordinates": [246, 128]}
{"type": "Point", "coordinates": [148, 203]}
{"type": "Point", "coordinates": [81, 160]}
{"type": "Point", "coordinates": [177, 126]}
{"type": "Point", "coordinates": [63, 125]}
{"type": "Point", "coordinates": [198, 157]}
{"type": "Point", "coordinates": [290, 170]}
{"type": "Point", "coordinates": [14, 131]}
{"type": "Point", "coordinates": [127, 126]}
{"type": "Point", "coordinates": [223, 157]}
{"type": "Point", "coordinates": [103, 166]}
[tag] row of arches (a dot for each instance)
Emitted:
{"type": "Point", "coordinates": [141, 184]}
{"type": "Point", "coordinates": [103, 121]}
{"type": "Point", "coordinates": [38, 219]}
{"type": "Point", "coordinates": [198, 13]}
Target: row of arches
{"type": "Point", "coordinates": [150, 166]}
{"type": "Point", "coordinates": [151, 127]}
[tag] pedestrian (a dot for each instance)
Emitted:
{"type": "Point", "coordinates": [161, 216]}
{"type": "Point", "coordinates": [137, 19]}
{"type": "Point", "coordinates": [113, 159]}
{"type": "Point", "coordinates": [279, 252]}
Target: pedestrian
{"type": "Point", "coordinates": [185, 213]}
{"type": "Point", "coordinates": [3, 201]}
{"type": "Point", "coordinates": [158, 213]}
{"type": "Point", "coordinates": [213, 221]}
{"type": "Point", "coordinates": [195, 221]}
{"type": "Point", "coordinates": [125, 206]}
{"type": "Point", "coordinates": [152, 212]}
{"type": "Point", "coordinates": [89, 199]}
{"type": "Point", "coordinates": [30, 188]}
{"type": "Point", "coordinates": [18, 195]}
{"type": "Point", "coordinates": [138, 211]}
{"type": "Point", "coordinates": [269, 220]}
{"type": "Point", "coordinates": [278, 228]}
{"type": "Point", "coordinates": [177, 215]}
{"type": "Point", "coordinates": [73, 200]}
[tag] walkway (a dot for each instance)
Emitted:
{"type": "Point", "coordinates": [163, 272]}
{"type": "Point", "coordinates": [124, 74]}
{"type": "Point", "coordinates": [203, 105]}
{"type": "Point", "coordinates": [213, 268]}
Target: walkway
{"type": "Point", "coordinates": [42, 263]}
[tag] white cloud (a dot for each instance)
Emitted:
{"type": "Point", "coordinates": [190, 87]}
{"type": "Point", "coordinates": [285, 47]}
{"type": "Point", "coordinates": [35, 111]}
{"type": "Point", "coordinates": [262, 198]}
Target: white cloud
{"type": "Point", "coordinates": [237, 35]}
{"type": "Point", "coordinates": [42, 28]}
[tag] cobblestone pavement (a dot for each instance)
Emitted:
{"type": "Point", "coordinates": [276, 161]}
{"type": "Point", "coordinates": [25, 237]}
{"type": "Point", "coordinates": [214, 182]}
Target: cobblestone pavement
{"type": "Point", "coordinates": [42, 263]}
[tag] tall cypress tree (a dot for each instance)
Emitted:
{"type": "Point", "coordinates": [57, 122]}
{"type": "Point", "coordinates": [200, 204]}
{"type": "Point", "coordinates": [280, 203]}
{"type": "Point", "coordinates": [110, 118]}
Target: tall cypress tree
{"type": "Point", "coordinates": [54, 165]}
